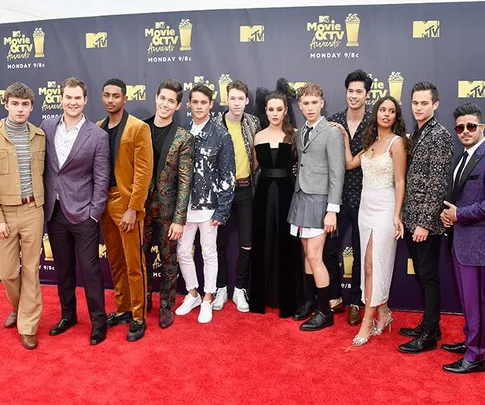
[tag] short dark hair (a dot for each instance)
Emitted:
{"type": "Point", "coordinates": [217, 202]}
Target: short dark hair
{"type": "Point", "coordinates": [74, 82]}
{"type": "Point", "coordinates": [116, 82]}
{"type": "Point", "coordinates": [423, 86]}
{"type": "Point", "coordinates": [19, 90]}
{"type": "Point", "coordinates": [238, 85]}
{"type": "Point", "coordinates": [174, 86]}
{"type": "Point", "coordinates": [468, 109]}
{"type": "Point", "coordinates": [359, 76]}
{"type": "Point", "coordinates": [201, 88]}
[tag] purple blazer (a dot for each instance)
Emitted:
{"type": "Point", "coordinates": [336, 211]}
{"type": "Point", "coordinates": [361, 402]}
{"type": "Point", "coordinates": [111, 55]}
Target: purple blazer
{"type": "Point", "coordinates": [469, 231]}
{"type": "Point", "coordinates": [82, 182]}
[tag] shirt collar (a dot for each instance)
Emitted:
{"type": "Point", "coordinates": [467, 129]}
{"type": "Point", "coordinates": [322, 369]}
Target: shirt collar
{"type": "Point", "coordinates": [77, 127]}
{"type": "Point", "coordinates": [314, 125]}
{"type": "Point", "coordinates": [472, 150]}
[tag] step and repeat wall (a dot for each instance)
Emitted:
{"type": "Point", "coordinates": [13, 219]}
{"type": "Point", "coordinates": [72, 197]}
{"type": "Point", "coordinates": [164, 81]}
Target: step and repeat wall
{"type": "Point", "coordinates": [398, 45]}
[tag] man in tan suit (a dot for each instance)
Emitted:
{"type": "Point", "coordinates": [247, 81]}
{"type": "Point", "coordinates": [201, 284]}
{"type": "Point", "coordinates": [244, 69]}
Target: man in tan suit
{"type": "Point", "coordinates": [131, 159]}
{"type": "Point", "coordinates": [22, 156]}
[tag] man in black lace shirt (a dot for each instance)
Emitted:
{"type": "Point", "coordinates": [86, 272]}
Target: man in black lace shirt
{"type": "Point", "coordinates": [354, 119]}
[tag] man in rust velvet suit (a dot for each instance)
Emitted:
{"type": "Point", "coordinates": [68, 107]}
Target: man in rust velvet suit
{"type": "Point", "coordinates": [131, 171]}
{"type": "Point", "coordinates": [173, 153]}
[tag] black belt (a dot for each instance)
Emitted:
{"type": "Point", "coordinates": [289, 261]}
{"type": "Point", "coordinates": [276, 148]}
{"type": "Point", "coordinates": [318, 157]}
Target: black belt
{"type": "Point", "coordinates": [28, 200]}
{"type": "Point", "coordinates": [274, 173]}
{"type": "Point", "coordinates": [244, 182]}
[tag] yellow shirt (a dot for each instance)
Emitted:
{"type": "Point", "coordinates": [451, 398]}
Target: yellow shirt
{"type": "Point", "coordinates": [243, 168]}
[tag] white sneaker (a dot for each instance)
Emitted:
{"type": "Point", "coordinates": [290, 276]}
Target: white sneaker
{"type": "Point", "coordinates": [240, 299]}
{"type": "Point", "coordinates": [190, 302]}
{"type": "Point", "coordinates": [205, 315]}
{"type": "Point", "coordinates": [220, 300]}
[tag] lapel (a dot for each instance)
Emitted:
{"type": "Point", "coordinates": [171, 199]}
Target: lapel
{"type": "Point", "coordinates": [3, 130]}
{"type": "Point", "coordinates": [82, 136]}
{"type": "Point", "coordinates": [167, 143]}
{"type": "Point", "coordinates": [119, 131]}
{"type": "Point", "coordinates": [429, 126]}
{"type": "Point", "coordinates": [50, 134]}
{"type": "Point", "coordinates": [477, 156]}
{"type": "Point", "coordinates": [449, 194]}
{"type": "Point", "coordinates": [315, 132]}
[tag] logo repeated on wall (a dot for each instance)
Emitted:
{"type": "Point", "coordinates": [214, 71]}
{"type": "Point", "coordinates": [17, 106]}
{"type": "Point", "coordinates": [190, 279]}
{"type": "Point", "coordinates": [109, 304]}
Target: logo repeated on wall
{"type": "Point", "coordinates": [51, 104]}
{"type": "Point", "coordinates": [251, 33]}
{"type": "Point", "coordinates": [165, 41]}
{"type": "Point", "coordinates": [2, 95]}
{"type": "Point", "coordinates": [136, 92]}
{"type": "Point", "coordinates": [426, 29]}
{"type": "Point", "coordinates": [471, 89]}
{"type": "Point", "coordinates": [379, 89]}
{"type": "Point", "coordinates": [329, 35]}
{"type": "Point", "coordinates": [219, 89]}
{"type": "Point", "coordinates": [21, 48]}
{"type": "Point", "coordinates": [49, 257]}
{"type": "Point", "coordinates": [96, 40]}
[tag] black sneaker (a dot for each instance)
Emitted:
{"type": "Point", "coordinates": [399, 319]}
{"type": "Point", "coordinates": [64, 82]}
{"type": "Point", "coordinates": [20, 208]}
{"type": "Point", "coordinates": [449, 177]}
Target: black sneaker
{"type": "Point", "coordinates": [136, 331]}
{"type": "Point", "coordinates": [114, 319]}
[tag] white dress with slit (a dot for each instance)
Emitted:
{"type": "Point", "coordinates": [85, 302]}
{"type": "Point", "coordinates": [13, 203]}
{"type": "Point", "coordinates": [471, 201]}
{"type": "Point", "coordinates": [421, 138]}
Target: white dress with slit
{"type": "Point", "coordinates": [376, 214]}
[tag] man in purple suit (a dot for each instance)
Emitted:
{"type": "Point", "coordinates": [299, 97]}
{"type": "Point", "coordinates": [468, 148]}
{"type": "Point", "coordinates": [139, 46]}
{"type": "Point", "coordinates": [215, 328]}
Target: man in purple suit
{"type": "Point", "coordinates": [465, 212]}
{"type": "Point", "coordinates": [76, 182]}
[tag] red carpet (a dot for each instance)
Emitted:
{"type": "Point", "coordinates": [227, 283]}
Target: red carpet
{"type": "Point", "coordinates": [236, 359]}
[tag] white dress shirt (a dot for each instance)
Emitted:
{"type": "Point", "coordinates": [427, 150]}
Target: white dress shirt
{"type": "Point", "coordinates": [470, 152]}
{"type": "Point", "coordinates": [65, 138]}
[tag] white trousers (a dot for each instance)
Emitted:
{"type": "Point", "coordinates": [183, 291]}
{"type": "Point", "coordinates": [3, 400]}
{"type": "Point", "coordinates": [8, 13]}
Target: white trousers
{"type": "Point", "coordinates": [208, 244]}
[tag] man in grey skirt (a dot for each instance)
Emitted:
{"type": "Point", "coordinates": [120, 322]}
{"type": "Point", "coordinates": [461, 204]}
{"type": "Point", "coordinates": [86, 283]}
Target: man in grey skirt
{"type": "Point", "coordinates": [316, 202]}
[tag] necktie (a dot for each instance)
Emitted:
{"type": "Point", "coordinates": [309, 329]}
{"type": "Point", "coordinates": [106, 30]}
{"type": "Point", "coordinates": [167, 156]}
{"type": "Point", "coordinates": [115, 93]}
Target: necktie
{"type": "Point", "coordinates": [459, 172]}
{"type": "Point", "coordinates": [306, 135]}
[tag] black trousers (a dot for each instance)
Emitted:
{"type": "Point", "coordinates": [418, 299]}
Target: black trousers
{"type": "Point", "coordinates": [79, 243]}
{"type": "Point", "coordinates": [426, 261]}
{"type": "Point", "coordinates": [242, 209]}
{"type": "Point", "coordinates": [332, 254]}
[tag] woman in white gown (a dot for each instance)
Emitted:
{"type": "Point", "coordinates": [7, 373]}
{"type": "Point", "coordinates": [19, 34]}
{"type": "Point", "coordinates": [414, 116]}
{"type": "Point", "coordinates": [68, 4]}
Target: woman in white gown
{"type": "Point", "coordinates": [383, 162]}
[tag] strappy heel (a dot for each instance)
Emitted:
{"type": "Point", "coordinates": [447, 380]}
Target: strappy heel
{"type": "Point", "coordinates": [379, 326]}
{"type": "Point", "coordinates": [360, 341]}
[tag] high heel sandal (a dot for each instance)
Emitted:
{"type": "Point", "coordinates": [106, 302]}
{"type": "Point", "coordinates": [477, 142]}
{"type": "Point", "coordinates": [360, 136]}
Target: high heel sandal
{"type": "Point", "coordinates": [379, 329]}
{"type": "Point", "coordinates": [360, 341]}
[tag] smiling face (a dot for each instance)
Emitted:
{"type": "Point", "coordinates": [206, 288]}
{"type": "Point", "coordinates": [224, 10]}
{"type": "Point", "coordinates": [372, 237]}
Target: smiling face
{"type": "Point", "coordinates": [469, 137]}
{"type": "Point", "coordinates": [356, 95]}
{"type": "Point", "coordinates": [113, 99]}
{"type": "Point", "coordinates": [73, 101]}
{"type": "Point", "coordinates": [166, 104]}
{"type": "Point", "coordinates": [19, 109]}
{"type": "Point", "coordinates": [386, 114]}
{"type": "Point", "coordinates": [276, 111]}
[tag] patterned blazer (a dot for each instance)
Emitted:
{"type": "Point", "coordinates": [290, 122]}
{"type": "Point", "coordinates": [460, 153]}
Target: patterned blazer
{"type": "Point", "coordinates": [427, 179]}
{"type": "Point", "coordinates": [169, 192]}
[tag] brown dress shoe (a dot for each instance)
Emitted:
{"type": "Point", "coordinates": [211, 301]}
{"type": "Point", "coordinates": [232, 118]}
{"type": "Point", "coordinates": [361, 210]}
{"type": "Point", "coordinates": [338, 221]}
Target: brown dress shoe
{"type": "Point", "coordinates": [354, 315]}
{"type": "Point", "coordinates": [11, 320]}
{"type": "Point", "coordinates": [29, 341]}
{"type": "Point", "coordinates": [339, 308]}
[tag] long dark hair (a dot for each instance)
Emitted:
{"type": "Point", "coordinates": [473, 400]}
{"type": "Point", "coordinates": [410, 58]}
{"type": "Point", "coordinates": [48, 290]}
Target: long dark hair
{"type": "Point", "coordinates": [398, 128]}
{"type": "Point", "coordinates": [287, 128]}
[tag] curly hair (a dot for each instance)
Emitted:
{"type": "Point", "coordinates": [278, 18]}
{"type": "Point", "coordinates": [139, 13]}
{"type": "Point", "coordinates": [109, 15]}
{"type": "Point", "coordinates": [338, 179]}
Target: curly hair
{"type": "Point", "coordinates": [398, 127]}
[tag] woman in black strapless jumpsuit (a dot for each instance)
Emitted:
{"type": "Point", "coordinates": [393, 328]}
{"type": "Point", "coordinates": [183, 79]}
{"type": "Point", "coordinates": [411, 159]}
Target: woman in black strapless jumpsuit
{"type": "Point", "coordinates": [276, 267]}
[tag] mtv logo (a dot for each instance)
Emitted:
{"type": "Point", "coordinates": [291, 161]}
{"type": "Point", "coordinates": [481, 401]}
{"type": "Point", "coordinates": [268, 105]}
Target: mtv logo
{"type": "Point", "coordinates": [251, 33]}
{"type": "Point", "coordinates": [96, 40]}
{"type": "Point", "coordinates": [16, 34]}
{"type": "Point", "coordinates": [136, 92]}
{"type": "Point", "coordinates": [426, 29]}
{"type": "Point", "coordinates": [473, 89]}
{"type": "Point", "coordinates": [296, 85]}
{"type": "Point", "coordinates": [51, 84]}
{"type": "Point", "coordinates": [159, 24]}
{"type": "Point", "coordinates": [102, 251]}
{"type": "Point", "coordinates": [2, 99]}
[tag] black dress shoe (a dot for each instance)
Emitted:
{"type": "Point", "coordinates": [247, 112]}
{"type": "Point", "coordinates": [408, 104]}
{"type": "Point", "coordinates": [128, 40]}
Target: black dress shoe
{"type": "Point", "coordinates": [463, 366]}
{"type": "Point", "coordinates": [149, 302]}
{"type": "Point", "coordinates": [136, 331]}
{"type": "Point", "coordinates": [63, 325]}
{"type": "Point", "coordinates": [417, 331]}
{"type": "Point", "coordinates": [114, 319]}
{"type": "Point", "coordinates": [456, 347]}
{"type": "Point", "coordinates": [421, 344]}
{"type": "Point", "coordinates": [98, 334]}
{"type": "Point", "coordinates": [166, 317]}
{"type": "Point", "coordinates": [317, 321]}
{"type": "Point", "coordinates": [305, 311]}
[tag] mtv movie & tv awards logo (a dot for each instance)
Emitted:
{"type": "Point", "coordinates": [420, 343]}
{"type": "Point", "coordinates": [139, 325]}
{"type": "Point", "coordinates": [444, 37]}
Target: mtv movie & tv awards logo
{"type": "Point", "coordinates": [392, 87]}
{"type": "Point", "coordinates": [51, 103]}
{"type": "Point", "coordinates": [96, 40]}
{"type": "Point", "coordinates": [218, 90]}
{"type": "Point", "coordinates": [471, 89]}
{"type": "Point", "coordinates": [426, 29]}
{"type": "Point", "coordinates": [330, 35]}
{"type": "Point", "coordinates": [166, 42]}
{"type": "Point", "coordinates": [22, 47]}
